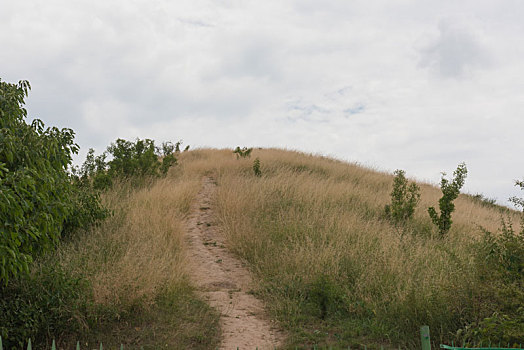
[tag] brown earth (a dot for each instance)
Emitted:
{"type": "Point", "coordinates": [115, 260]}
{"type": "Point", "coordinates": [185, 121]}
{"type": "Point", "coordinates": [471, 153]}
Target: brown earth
{"type": "Point", "coordinates": [224, 282]}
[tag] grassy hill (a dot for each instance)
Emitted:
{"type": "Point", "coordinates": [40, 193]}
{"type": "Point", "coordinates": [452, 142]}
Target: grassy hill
{"type": "Point", "coordinates": [330, 266]}
{"type": "Point", "coordinates": [333, 270]}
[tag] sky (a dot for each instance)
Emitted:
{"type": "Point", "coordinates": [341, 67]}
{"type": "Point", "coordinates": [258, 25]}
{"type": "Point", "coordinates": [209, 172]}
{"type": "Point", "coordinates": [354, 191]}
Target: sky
{"type": "Point", "coordinates": [419, 85]}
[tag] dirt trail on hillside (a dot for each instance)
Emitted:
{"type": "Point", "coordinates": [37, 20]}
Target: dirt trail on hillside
{"type": "Point", "coordinates": [224, 282]}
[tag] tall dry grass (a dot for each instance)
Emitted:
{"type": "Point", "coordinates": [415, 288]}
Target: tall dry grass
{"type": "Point", "coordinates": [135, 264]}
{"type": "Point", "coordinates": [140, 250]}
{"type": "Point", "coordinates": [313, 230]}
{"type": "Point", "coordinates": [330, 266]}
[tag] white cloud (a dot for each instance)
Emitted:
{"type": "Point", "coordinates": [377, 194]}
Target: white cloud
{"type": "Point", "coordinates": [419, 85]}
{"type": "Point", "coordinates": [455, 52]}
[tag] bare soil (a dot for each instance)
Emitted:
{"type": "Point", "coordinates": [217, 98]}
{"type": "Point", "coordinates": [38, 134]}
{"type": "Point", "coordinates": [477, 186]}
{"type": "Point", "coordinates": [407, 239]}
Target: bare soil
{"type": "Point", "coordinates": [224, 281]}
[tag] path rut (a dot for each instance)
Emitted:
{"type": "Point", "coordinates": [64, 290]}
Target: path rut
{"type": "Point", "coordinates": [224, 282]}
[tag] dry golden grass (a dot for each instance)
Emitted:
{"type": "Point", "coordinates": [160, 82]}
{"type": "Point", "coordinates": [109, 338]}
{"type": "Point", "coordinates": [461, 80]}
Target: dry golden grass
{"type": "Point", "coordinates": [140, 250]}
{"type": "Point", "coordinates": [311, 220]}
{"type": "Point", "coordinates": [135, 264]}
{"type": "Point", "coordinates": [330, 266]}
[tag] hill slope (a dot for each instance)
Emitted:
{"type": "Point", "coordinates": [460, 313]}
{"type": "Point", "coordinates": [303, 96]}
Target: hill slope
{"type": "Point", "coordinates": [333, 270]}
{"type": "Point", "coordinates": [329, 265]}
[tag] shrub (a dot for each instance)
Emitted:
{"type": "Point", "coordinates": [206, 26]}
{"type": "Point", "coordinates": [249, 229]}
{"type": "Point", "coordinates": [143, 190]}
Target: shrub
{"type": "Point", "coordinates": [135, 160]}
{"type": "Point", "coordinates": [450, 191]}
{"type": "Point", "coordinates": [256, 167]}
{"type": "Point", "coordinates": [43, 305]}
{"type": "Point", "coordinates": [404, 198]}
{"type": "Point", "coordinates": [500, 262]}
{"type": "Point", "coordinates": [243, 152]}
{"type": "Point", "coordinates": [87, 210]}
{"type": "Point", "coordinates": [504, 252]}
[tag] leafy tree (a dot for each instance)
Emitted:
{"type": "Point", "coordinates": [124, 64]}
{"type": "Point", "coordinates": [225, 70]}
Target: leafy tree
{"type": "Point", "coordinates": [36, 192]}
{"type": "Point", "coordinates": [404, 198]}
{"type": "Point", "coordinates": [450, 191]}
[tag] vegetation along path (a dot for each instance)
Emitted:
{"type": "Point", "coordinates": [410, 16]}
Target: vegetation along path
{"type": "Point", "coordinates": [224, 282]}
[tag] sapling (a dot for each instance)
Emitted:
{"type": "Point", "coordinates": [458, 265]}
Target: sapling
{"type": "Point", "coordinates": [404, 198]}
{"type": "Point", "coordinates": [256, 167]}
{"type": "Point", "coordinates": [450, 191]}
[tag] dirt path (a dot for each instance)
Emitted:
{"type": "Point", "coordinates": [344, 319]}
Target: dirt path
{"type": "Point", "coordinates": [224, 282]}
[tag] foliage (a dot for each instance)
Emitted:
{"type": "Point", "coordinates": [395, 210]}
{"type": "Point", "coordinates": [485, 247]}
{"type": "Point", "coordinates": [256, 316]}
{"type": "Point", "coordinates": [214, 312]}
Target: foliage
{"type": "Point", "coordinates": [88, 209]}
{"type": "Point", "coordinates": [500, 263]}
{"type": "Point", "coordinates": [46, 303]}
{"type": "Point", "coordinates": [504, 251]}
{"type": "Point", "coordinates": [129, 159]}
{"type": "Point", "coordinates": [256, 167]}
{"type": "Point", "coordinates": [404, 198]}
{"type": "Point", "coordinates": [519, 203]}
{"type": "Point", "coordinates": [243, 152]}
{"type": "Point", "coordinates": [37, 196]}
{"type": "Point", "coordinates": [499, 326]}
{"type": "Point", "coordinates": [450, 191]}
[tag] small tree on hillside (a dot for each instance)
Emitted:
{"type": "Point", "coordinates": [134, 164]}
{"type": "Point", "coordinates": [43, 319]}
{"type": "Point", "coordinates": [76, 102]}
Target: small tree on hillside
{"type": "Point", "coordinates": [404, 198]}
{"type": "Point", "coordinates": [256, 167]}
{"type": "Point", "coordinates": [450, 191]}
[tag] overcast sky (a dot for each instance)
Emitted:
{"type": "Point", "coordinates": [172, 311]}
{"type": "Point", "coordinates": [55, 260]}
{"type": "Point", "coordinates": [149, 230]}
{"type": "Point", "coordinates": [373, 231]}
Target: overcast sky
{"type": "Point", "coordinates": [417, 85]}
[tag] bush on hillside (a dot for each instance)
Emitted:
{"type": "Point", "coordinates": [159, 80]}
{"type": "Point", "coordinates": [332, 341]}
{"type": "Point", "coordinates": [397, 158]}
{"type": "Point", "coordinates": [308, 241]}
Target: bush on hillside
{"type": "Point", "coordinates": [504, 252]}
{"type": "Point", "coordinates": [404, 198]}
{"type": "Point", "coordinates": [43, 305]}
{"type": "Point", "coordinates": [500, 262]}
{"type": "Point", "coordinates": [243, 152]}
{"type": "Point", "coordinates": [130, 160]}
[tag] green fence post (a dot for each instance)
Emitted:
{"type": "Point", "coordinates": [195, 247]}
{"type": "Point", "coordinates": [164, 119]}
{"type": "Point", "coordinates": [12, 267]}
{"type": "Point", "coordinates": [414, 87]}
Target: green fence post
{"type": "Point", "coordinates": [53, 346]}
{"type": "Point", "coordinates": [1, 347]}
{"type": "Point", "coordinates": [77, 345]}
{"type": "Point", "coordinates": [424, 338]}
{"type": "Point", "coordinates": [29, 347]}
